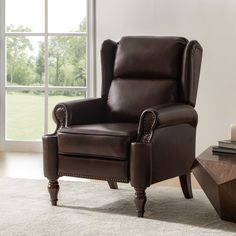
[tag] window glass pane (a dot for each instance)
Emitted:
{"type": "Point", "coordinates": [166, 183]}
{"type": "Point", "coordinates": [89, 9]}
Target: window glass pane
{"type": "Point", "coordinates": [25, 115]}
{"type": "Point", "coordinates": [67, 61]}
{"type": "Point", "coordinates": [67, 16]}
{"type": "Point", "coordinates": [56, 97]}
{"type": "Point", "coordinates": [25, 15]}
{"type": "Point", "coordinates": [25, 60]}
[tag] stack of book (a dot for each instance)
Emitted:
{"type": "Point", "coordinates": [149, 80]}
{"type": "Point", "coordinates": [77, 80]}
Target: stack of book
{"type": "Point", "coordinates": [225, 146]}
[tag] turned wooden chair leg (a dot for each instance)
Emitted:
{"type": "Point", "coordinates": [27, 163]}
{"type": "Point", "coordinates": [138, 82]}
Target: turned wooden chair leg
{"type": "Point", "coordinates": [185, 182]}
{"type": "Point", "coordinates": [140, 201]}
{"type": "Point", "coordinates": [53, 189]}
{"type": "Point", "coordinates": [112, 184]}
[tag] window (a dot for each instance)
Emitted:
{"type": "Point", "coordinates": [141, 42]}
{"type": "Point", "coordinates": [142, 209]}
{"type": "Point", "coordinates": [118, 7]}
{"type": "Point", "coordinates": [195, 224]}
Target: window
{"type": "Point", "coordinates": [46, 57]}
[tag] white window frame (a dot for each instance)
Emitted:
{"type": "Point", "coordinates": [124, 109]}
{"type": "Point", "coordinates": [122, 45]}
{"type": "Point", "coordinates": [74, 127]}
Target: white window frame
{"type": "Point", "coordinates": [36, 146]}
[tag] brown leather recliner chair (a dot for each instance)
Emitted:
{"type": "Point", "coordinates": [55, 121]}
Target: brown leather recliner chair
{"type": "Point", "coordinates": [142, 130]}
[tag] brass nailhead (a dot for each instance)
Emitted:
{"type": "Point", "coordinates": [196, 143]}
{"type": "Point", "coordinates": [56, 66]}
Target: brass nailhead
{"type": "Point", "coordinates": [91, 177]}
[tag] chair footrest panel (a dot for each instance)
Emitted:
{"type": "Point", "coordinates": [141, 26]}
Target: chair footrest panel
{"type": "Point", "coordinates": [93, 168]}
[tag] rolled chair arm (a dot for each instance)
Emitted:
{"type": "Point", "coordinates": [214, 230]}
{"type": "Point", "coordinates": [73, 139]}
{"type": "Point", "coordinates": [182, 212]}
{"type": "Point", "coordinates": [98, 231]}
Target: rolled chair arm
{"type": "Point", "coordinates": [165, 115]}
{"type": "Point", "coordinates": [79, 112]}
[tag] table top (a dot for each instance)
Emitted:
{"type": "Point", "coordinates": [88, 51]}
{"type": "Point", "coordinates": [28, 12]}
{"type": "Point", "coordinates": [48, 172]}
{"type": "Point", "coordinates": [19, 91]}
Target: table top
{"type": "Point", "coordinates": [221, 167]}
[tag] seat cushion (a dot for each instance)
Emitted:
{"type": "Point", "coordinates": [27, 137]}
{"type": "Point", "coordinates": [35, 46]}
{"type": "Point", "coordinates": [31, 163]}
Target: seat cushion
{"type": "Point", "coordinates": [111, 140]}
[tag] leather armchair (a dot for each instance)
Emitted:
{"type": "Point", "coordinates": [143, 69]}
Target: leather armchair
{"type": "Point", "coordinates": [142, 130]}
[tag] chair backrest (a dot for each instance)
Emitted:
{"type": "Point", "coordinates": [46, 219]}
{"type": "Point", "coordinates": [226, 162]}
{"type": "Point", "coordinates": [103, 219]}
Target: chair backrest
{"type": "Point", "coordinates": [140, 72]}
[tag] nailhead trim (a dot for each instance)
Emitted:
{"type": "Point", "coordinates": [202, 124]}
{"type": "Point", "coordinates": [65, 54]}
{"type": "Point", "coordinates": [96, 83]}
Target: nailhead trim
{"type": "Point", "coordinates": [92, 177]}
{"type": "Point", "coordinates": [147, 130]}
{"type": "Point", "coordinates": [60, 115]}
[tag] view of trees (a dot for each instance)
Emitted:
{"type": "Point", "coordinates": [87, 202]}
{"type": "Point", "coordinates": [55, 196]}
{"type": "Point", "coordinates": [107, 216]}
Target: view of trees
{"type": "Point", "coordinates": [66, 61]}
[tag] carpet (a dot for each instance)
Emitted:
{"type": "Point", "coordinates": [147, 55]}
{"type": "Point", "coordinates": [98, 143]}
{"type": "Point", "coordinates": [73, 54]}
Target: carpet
{"type": "Point", "coordinates": [91, 208]}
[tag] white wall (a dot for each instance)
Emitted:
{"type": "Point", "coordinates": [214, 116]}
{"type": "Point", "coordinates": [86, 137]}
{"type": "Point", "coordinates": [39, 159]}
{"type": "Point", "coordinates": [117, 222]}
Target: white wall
{"type": "Point", "coordinates": [212, 23]}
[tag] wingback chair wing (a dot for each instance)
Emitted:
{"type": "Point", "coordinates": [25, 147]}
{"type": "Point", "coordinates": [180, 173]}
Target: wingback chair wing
{"type": "Point", "coordinates": [142, 129]}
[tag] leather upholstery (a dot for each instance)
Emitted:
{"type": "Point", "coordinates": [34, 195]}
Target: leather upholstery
{"type": "Point", "coordinates": [149, 57]}
{"type": "Point", "coordinates": [50, 156]}
{"type": "Point", "coordinates": [77, 112]}
{"type": "Point", "coordinates": [143, 129]}
{"type": "Point", "coordinates": [191, 72]}
{"type": "Point", "coordinates": [122, 104]}
{"type": "Point", "coordinates": [93, 168]}
{"type": "Point", "coordinates": [165, 115]}
{"type": "Point", "coordinates": [141, 165]}
{"type": "Point", "coordinates": [160, 64]}
{"type": "Point", "coordinates": [172, 114]}
{"type": "Point", "coordinates": [153, 76]}
{"type": "Point", "coordinates": [173, 151]}
{"type": "Point", "coordinates": [108, 52]}
{"type": "Point", "coordinates": [111, 140]}
{"type": "Point", "coordinates": [170, 153]}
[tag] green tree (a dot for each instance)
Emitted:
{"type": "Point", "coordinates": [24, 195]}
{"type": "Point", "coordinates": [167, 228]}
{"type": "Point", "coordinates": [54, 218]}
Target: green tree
{"type": "Point", "coordinates": [20, 66]}
{"type": "Point", "coordinates": [58, 47]}
{"type": "Point", "coordinates": [40, 63]}
{"type": "Point", "coordinates": [67, 59]}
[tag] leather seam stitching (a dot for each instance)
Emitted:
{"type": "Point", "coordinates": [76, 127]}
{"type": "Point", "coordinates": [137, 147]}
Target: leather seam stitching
{"type": "Point", "coordinates": [122, 136]}
{"type": "Point", "coordinates": [75, 154]}
{"type": "Point", "coordinates": [91, 177]}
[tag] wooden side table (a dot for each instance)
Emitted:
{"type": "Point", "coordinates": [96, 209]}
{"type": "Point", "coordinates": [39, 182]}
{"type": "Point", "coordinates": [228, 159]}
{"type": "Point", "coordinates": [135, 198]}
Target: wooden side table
{"type": "Point", "coordinates": [216, 174]}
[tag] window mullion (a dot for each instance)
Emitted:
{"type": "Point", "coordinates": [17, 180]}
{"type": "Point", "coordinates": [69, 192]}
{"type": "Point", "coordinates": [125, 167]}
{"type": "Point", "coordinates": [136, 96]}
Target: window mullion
{"type": "Point", "coordinates": [15, 34]}
{"type": "Point", "coordinates": [2, 75]}
{"type": "Point", "coordinates": [46, 68]}
{"type": "Point", "coordinates": [91, 49]}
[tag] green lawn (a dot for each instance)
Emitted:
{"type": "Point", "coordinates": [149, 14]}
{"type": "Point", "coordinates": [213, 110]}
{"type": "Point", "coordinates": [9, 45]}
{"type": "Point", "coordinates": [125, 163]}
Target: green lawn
{"type": "Point", "coordinates": [25, 115]}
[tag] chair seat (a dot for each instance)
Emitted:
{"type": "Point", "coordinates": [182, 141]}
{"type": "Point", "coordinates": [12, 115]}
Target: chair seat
{"type": "Point", "coordinates": [110, 140]}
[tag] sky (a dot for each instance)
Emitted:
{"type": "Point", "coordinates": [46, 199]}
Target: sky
{"type": "Point", "coordinates": [63, 15]}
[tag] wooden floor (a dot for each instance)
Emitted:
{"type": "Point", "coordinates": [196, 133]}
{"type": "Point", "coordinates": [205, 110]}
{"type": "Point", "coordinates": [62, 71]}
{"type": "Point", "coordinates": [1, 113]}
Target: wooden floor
{"type": "Point", "coordinates": [30, 166]}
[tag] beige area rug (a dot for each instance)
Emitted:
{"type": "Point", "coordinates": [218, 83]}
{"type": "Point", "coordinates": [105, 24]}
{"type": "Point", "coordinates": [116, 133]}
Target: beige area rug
{"type": "Point", "coordinates": [91, 208]}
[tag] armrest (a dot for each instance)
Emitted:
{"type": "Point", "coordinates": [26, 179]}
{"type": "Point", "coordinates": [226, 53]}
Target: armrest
{"type": "Point", "coordinates": [76, 112]}
{"type": "Point", "coordinates": [165, 115]}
